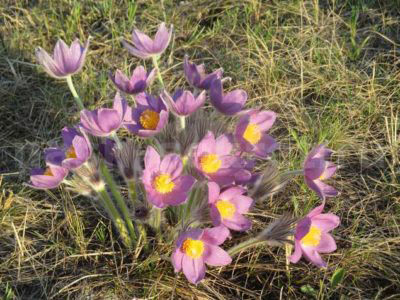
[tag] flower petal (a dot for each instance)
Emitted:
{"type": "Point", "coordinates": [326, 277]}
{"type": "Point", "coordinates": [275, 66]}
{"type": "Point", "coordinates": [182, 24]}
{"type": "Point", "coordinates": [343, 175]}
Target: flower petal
{"type": "Point", "coordinates": [216, 256]}
{"type": "Point", "coordinates": [215, 235]}
{"type": "Point", "coordinates": [172, 165]}
{"type": "Point", "coordinates": [194, 269]}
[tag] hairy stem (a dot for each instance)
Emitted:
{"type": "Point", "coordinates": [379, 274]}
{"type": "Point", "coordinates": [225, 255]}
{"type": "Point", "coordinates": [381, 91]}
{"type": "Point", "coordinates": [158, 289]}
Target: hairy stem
{"type": "Point", "coordinates": [244, 245]}
{"type": "Point", "coordinates": [155, 63]}
{"type": "Point", "coordinates": [74, 93]}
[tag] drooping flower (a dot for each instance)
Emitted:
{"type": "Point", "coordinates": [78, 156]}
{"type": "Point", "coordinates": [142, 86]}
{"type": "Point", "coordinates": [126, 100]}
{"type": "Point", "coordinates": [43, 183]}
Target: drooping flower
{"type": "Point", "coordinates": [48, 178]}
{"type": "Point", "coordinates": [183, 103]}
{"type": "Point", "coordinates": [228, 104]}
{"type": "Point", "coordinates": [105, 121]}
{"type": "Point", "coordinates": [138, 82]}
{"type": "Point", "coordinates": [143, 46]}
{"type": "Point", "coordinates": [149, 116]}
{"type": "Point", "coordinates": [250, 132]}
{"type": "Point", "coordinates": [196, 75]}
{"type": "Point", "coordinates": [312, 237]}
{"type": "Point", "coordinates": [197, 247]}
{"type": "Point", "coordinates": [76, 151]}
{"type": "Point", "coordinates": [163, 180]}
{"type": "Point", "coordinates": [316, 169]}
{"type": "Point", "coordinates": [212, 158]}
{"type": "Point", "coordinates": [227, 207]}
{"type": "Point", "coordinates": [66, 61]}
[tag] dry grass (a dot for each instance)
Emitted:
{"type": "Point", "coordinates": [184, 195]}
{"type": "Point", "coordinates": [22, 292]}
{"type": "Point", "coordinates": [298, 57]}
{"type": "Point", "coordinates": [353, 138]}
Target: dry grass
{"type": "Point", "coordinates": [331, 71]}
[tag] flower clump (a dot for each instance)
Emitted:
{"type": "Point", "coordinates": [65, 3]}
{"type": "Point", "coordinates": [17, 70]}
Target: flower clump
{"type": "Point", "coordinates": [191, 180]}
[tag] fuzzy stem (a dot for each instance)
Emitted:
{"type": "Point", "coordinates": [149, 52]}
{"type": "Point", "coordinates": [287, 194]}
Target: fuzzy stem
{"type": "Point", "coordinates": [155, 221]}
{"type": "Point", "coordinates": [243, 245]}
{"type": "Point", "coordinates": [294, 172]}
{"type": "Point", "coordinates": [115, 217]}
{"type": "Point", "coordinates": [120, 201]}
{"type": "Point", "coordinates": [132, 189]}
{"type": "Point", "coordinates": [182, 120]}
{"type": "Point", "coordinates": [74, 93]}
{"type": "Point", "coordinates": [155, 63]}
{"type": "Point", "coordinates": [117, 140]}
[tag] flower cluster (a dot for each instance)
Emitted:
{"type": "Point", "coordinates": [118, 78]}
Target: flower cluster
{"type": "Point", "coordinates": [194, 168]}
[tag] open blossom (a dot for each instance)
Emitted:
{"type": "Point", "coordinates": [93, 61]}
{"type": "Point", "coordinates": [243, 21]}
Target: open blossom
{"type": "Point", "coordinates": [105, 121]}
{"type": "Point", "coordinates": [312, 237]}
{"type": "Point", "coordinates": [197, 247]}
{"type": "Point", "coordinates": [66, 60]}
{"type": "Point", "coordinates": [143, 46]}
{"type": "Point", "coordinates": [316, 169]}
{"type": "Point", "coordinates": [149, 116]}
{"type": "Point", "coordinates": [48, 178]}
{"type": "Point", "coordinates": [163, 180]}
{"type": "Point", "coordinates": [183, 103]}
{"type": "Point", "coordinates": [250, 132]}
{"type": "Point", "coordinates": [138, 82]}
{"type": "Point", "coordinates": [76, 151]}
{"type": "Point", "coordinates": [228, 104]}
{"type": "Point", "coordinates": [196, 74]}
{"type": "Point", "coordinates": [212, 159]}
{"type": "Point", "coordinates": [227, 207]}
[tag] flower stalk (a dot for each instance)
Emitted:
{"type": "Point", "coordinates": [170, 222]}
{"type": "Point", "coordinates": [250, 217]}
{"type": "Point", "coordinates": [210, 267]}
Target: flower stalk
{"type": "Point", "coordinates": [156, 66]}
{"type": "Point", "coordinates": [74, 92]}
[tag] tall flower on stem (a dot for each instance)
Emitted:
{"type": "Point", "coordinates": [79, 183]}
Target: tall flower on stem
{"type": "Point", "coordinates": [184, 103]}
{"type": "Point", "coordinates": [316, 169]}
{"type": "Point", "coordinates": [228, 104]}
{"type": "Point", "coordinates": [48, 178]}
{"type": "Point", "coordinates": [163, 180]}
{"type": "Point", "coordinates": [227, 207]}
{"type": "Point", "coordinates": [137, 83]}
{"type": "Point", "coordinates": [196, 75]}
{"type": "Point", "coordinates": [197, 247]}
{"type": "Point", "coordinates": [312, 236]}
{"type": "Point", "coordinates": [250, 132]}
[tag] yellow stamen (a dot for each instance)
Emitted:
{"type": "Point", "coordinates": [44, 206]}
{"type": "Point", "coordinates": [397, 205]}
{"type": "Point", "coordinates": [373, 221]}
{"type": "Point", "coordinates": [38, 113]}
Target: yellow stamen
{"type": "Point", "coordinates": [163, 184]}
{"type": "Point", "coordinates": [252, 134]}
{"type": "Point", "coordinates": [149, 119]}
{"type": "Point", "coordinates": [210, 163]}
{"type": "Point", "coordinates": [70, 153]}
{"type": "Point", "coordinates": [225, 208]}
{"type": "Point", "coordinates": [193, 248]}
{"type": "Point", "coordinates": [48, 172]}
{"type": "Point", "coordinates": [312, 238]}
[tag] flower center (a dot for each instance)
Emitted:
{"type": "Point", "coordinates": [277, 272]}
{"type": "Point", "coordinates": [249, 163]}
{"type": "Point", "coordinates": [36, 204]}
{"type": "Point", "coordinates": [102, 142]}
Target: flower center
{"type": "Point", "coordinates": [70, 153]}
{"type": "Point", "coordinates": [193, 248]}
{"type": "Point", "coordinates": [48, 172]}
{"type": "Point", "coordinates": [149, 119]}
{"type": "Point", "coordinates": [210, 163]}
{"type": "Point", "coordinates": [312, 238]}
{"type": "Point", "coordinates": [163, 184]}
{"type": "Point", "coordinates": [252, 134]}
{"type": "Point", "coordinates": [225, 208]}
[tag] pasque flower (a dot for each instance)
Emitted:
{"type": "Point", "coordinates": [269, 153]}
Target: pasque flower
{"type": "Point", "coordinates": [149, 116]}
{"type": "Point", "coordinates": [48, 178]}
{"type": "Point", "coordinates": [76, 151]}
{"type": "Point", "coordinates": [312, 237]}
{"type": "Point", "coordinates": [105, 121]}
{"type": "Point", "coordinates": [228, 104]}
{"type": "Point", "coordinates": [196, 74]}
{"type": "Point", "coordinates": [227, 207]}
{"type": "Point", "coordinates": [66, 60]}
{"type": "Point", "coordinates": [316, 169]}
{"type": "Point", "coordinates": [250, 132]}
{"type": "Point", "coordinates": [163, 180]}
{"type": "Point", "coordinates": [184, 103]}
{"type": "Point", "coordinates": [138, 82]}
{"type": "Point", "coordinates": [143, 46]}
{"type": "Point", "coordinates": [197, 247]}
{"type": "Point", "coordinates": [212, 158]}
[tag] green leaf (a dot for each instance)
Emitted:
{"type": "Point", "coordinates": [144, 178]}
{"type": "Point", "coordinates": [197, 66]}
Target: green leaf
{"type": "Point", "coordinates": [337, 277]}
{"type": "Point", "coordinates": [308, 290]}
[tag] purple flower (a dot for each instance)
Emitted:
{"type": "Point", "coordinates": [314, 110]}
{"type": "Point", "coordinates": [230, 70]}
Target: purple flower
{"type": "Point", "coordinates": [227, 208]}
{"type": "Point", "coordinates": [316, 169]}
{"type": "Point", "coordinates": [212, 159]}
{"type": "Point", "coordinates": [149, 117]}
{"type": "Point", "coordinates": [48, 178]}
{"type": "Point", "coordinates": [250, 132]}
{"type": "Point", "coordinates": [138, 82]}
{"type": "Point", "coordinates": [143, 46]}
{"type": "Point", "coordinates": [196, 75]}
{"type": "Point", "coordinates": [197, 247]}
{"type": "Point", "coordinates": [105, 121]}
{"type": "Point", "coordinates": [183, 103]}
{"type": "Point", "coordinates": [76, 151]}
{"type": "Point", "coordinates": [66, 60]}
{"type": "Point", "coordinates": [312, 238]}
{"type": "Point", "coordinates": [163, 181]}
{"type": "Point", "coordinates": [106, 149]}
{"type": "Point", "coordinates": [228, 104]}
